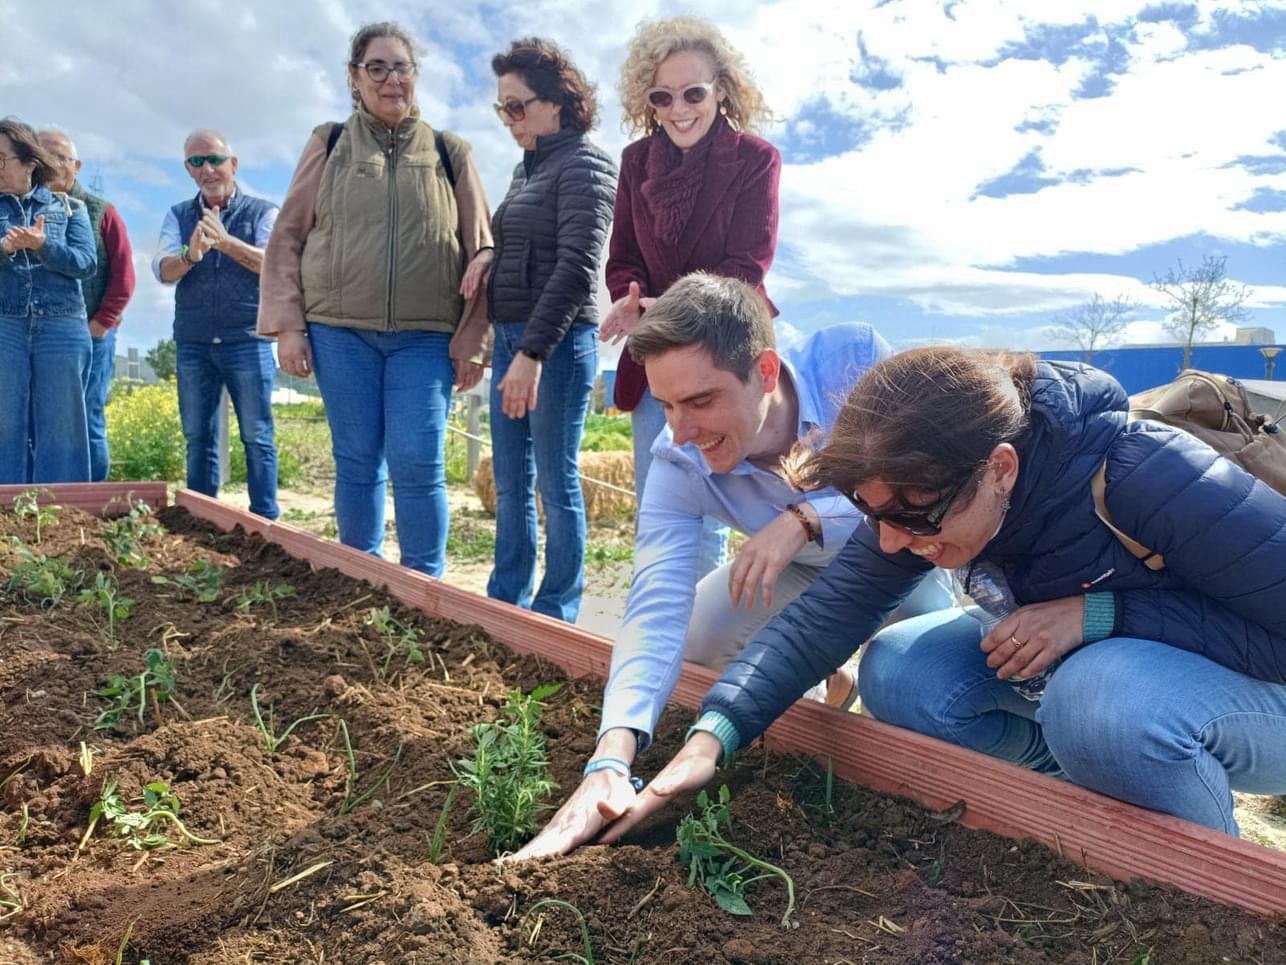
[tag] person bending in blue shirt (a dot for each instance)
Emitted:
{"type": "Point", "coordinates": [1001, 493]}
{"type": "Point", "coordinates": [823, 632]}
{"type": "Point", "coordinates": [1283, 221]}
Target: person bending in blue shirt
{"type": "Point", "coordinates": [737, 413]}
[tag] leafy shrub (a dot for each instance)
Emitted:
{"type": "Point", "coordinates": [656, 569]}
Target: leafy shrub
{"type": "Point", "coordinates": [145, 434]}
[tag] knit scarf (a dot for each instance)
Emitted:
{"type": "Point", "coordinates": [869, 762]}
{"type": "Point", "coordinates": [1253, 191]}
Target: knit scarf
{"type": "Point", "coordinates": [672, 181]}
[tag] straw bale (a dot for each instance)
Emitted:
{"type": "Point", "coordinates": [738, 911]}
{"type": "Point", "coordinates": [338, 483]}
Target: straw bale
{"type": "Point", "coordinates": [601, 503]}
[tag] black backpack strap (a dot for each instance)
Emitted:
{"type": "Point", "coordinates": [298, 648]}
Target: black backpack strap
{"type": "Point", "coordinates": [332, 138]}
{"type": "Point", "coordinates": [441, 144]}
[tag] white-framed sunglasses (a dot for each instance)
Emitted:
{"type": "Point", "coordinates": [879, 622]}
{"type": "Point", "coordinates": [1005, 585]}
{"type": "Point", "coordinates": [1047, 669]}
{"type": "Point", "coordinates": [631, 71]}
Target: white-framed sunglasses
{"type": "Point", "coordinates": [662, 97]}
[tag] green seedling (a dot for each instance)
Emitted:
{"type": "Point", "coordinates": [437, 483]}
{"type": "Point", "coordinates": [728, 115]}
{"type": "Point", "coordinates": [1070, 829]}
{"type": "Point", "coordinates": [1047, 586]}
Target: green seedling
{"type": "Point", "coordinates": [440, 832]}
{"type": "Point", "coordinates": [588, 957]}
{"type": "Point", "coordinates": [353, 800]}
{"type": "Point", "coordinates": [509, 773]}
{"type": "Point", "coordinates": [27, 506]}
{"type": "Point", "coordinates": [264, 592]}
{"type": "Point", "coordinates": [126, 535]}
{"type": "Point", "coordinates": [43, 580]}
{"type": "Point", "coordinates": [724, 869]}
{"type": "Point", "coordinates": [106, 593]}
{"type": "Point", "coordinates": [271, 739]}
{"type": "Point", "coordinates": [203, 582]}
{"type": "Point", "coordinates": [399, 639]}
{"type": "Point", "coordinates": [142, 829]}
{"type": "Point", "coordinates": [156, 682]}
{"type": "Point", "coordinates": [20, 841]}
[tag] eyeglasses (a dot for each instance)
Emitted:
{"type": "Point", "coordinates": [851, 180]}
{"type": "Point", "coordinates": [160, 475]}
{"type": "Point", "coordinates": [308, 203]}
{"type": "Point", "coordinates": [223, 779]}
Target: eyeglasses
{"type": "Point", "coordinates": [378, 71]}
{"type": "Point", "coordinates": [200, 160]}
{"type": "Point", "coordinates": [926, 521]}
{"type": "Point", "coordinates": [5, 158]}
{"type": "Point", "coordinates": [663, 97]}
{"type": "Point", "coordinates": [62, 158]}
{"type": "Point", "coordinates": [514, 109]}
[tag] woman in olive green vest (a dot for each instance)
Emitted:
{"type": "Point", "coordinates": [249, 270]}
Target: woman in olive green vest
{"type": "Point", "coordinates": [369, 282]}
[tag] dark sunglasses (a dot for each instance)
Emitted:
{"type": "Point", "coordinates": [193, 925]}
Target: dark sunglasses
{"type": "Point", "coordinates": [925, 521]}
{"type": "Point", "coordinates": [200, 160]}
{"type": "Point", "coordinates": [514, 109]}
{"type": "Point", "coordinates": [662, 97]}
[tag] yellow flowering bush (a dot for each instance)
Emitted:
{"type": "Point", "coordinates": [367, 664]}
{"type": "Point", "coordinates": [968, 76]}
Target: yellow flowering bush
{"type": "Point", "coordinates": [145, 434]}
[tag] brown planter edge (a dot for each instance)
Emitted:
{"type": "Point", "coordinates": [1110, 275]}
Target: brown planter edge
{"type": "Point", "coordinates": [1102, 834]}
{"type": "Point", "coordinates": [99, 499]}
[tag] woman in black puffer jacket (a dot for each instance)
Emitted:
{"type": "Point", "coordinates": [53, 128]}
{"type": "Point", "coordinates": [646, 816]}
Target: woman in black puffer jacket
{"type": "Point", "coordinates": [549, 235]}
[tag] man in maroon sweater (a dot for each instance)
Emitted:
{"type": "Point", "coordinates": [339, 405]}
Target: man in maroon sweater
{"type": "Point", "coordinates": [106, 294]}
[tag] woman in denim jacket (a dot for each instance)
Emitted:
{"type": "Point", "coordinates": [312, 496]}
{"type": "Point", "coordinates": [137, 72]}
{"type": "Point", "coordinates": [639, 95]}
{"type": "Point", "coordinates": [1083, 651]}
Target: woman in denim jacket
{"type": "Point", "coordinates": [46, 247]}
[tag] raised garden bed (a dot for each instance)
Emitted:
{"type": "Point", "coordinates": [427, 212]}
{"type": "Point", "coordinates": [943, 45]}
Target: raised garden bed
{"type": "Point", "coordinates": [305, 871]}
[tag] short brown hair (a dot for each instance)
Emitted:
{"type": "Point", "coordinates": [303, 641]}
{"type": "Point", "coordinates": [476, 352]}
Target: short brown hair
{"type": "Point", "coordinates": [26, 147]}
{"type": "Point", "coordinates": [926, 419]}
{"type": "Point", "coordinates": [726, 317]}
{"type": "Point", "coordinates": [551, 75]}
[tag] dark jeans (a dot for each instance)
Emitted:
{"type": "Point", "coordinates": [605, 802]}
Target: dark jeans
{"type": "Point", "coordinates": [246, 369]}
{"type": "Point", "coordinates": [542, 448]}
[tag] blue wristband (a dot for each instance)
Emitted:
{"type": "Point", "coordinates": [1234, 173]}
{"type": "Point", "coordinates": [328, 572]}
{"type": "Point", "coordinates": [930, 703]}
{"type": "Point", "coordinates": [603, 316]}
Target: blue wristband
{"type": "Point", "coordinates": [613, 764]}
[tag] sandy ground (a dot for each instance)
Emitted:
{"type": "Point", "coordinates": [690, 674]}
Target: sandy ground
{"type": "Point", "coordinates": [1262, 819]}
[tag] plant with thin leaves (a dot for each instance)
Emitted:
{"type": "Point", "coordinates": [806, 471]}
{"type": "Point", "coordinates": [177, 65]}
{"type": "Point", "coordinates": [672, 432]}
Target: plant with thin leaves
{"type": "Point", "coordinates": [440, 831]}
{"type": "Point", "coordinates": [157, 682]}
{"type": "Point", "coordinates": [400, 639]}
{"type": "Point", "coordinates": [27, 506]}
{"type": "Point", "coordinates": [271, 739]}
{"type": "Point", "coordinates": [588, 957]}
{"type": "Point", "coordinates": [352, 799]}
{"type": "Point", "coordinates": [125, 536]}
{"type": "Point", "coordinates": [509, 772]}
{"type": "Point", "coordinates": [10, 898]}
{"type": "Point", "coordinates": [43, 581]}
{"type": "Point", "coordinates": [106, 593]}
{"type": "Point", "coordinates": [142, 829]}
{"type": "Point", "coordinates": [264, 592]}
{"type": "Point", "coordinates": [723, 869]}
{"type": "Point", "coordinates": [203, 582]}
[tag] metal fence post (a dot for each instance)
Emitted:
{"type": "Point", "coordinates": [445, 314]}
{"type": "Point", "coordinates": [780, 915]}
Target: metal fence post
{"type": "Point", "coordinates": [225, 420]}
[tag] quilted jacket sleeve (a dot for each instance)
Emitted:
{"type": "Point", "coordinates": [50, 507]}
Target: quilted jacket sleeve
{"type": "Point", "coordinates": [586, 192]}
{"type": "Point", "coordinates": [1223, 535]}
{"type": "Point", "coordinates": [814, 635]}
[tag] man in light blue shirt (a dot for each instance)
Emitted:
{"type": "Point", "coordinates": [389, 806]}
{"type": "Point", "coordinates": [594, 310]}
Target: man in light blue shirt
{"type": "Point", "coordinates": [738, 416]}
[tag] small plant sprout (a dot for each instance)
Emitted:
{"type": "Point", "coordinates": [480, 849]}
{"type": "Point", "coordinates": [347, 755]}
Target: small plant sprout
{"type": "Point", "coordinates": [352, 799]}
{"type": "Point", "coordinates": [143, 829]}
{"type": "Point", "coordinates": [399, 639]}
{"type": "Point", "coordinates": [27, 506]}
{"type": "Point", "coordinates": [41, 580]}
{"type": "Point", "coordinates": [722, 868]}
{"type": "Point", "coordinates": [125, 536]}
{"type": "Point", "coordinates": [203, 582]}
{"type": "Point", "coordinates": [509, 773]}
{"type": "Point", "coordinates": [10, 898]}
{"type": "Point", "coordinates": [271, 740]}
{"type": "Point", "coordinates": [156, 682]}
{"type": "Point", "coordinates": [588, 957]}
{"type": "Point", "coordinates": [440, 832]}
{"type": "Point", "coordinates": [106, 594]}
{"type": "Point", "coordinates": [264, 592]}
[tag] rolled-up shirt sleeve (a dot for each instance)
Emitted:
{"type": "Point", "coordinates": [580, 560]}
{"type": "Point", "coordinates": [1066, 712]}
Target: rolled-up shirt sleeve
{"type": "Point", "coordinates": [168, 245]}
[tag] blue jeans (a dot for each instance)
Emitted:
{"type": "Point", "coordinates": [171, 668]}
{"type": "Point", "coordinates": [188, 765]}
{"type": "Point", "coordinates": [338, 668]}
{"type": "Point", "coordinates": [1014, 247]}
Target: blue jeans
{"type": "Point", "coordinates": [101, 368]}
{"type": "Point", "coordinates": [1136, 720]}
{"type": "Point", "coordinates": [387, 395]}
{"type": "Point", "coordinates": [246, 370]}
{"type": "Point", "coordinates": [647, 421]}
{"type": "Point", "coordinates": [542, 447]}
{"type": "Point", "coordinates": [43, 366]}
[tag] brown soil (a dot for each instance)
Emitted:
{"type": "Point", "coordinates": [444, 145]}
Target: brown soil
{"type": "Point", "coordinates": [878, 879]}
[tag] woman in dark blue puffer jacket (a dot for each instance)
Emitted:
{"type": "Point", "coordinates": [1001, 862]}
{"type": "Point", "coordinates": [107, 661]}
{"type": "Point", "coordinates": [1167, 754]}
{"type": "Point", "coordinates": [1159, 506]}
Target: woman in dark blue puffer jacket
{"type": "Point", "coordinates": [1168, 687]}
{"type": "Point", "coordinates": [549, 234]}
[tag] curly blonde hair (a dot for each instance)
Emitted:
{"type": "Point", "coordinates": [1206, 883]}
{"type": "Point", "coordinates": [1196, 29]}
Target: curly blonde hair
{"type": "Point", "coordinates": [655, 40]}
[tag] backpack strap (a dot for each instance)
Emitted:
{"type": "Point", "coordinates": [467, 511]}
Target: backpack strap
{"type": "Point", "coordinates": [1098, 486]}
{"type": "Point", "coordinates": [332, 137]}
{"type": "Point", "coordinates": [440, 143]}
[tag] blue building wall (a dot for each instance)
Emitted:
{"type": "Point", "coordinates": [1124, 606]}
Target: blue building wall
{"type": "Point", "coordinates": [1145, 367]}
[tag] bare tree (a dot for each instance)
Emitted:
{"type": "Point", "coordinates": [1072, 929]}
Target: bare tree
{"type": "Point", "coordinates": [1093, 325]}
{"type": "Point", "coordinates": [1200, 298]}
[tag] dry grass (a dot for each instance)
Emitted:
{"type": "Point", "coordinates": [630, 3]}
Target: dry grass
{"type": "Point", "coordinates": [601, 503]}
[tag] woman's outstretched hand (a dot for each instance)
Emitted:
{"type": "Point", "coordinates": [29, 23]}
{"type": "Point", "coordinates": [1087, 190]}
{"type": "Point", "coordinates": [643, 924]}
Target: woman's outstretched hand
{"type": "Point", "coordinates": [688, 770]}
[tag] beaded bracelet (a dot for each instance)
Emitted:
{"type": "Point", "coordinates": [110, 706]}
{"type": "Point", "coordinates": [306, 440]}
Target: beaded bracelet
{"type": "Point", "coordinates": [814, 533]}
{"type": "Point", "coordinates": [613, 764]}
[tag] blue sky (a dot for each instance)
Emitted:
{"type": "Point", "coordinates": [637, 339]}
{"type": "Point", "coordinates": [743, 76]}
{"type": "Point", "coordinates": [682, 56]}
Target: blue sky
{"type": "Point", "coordinates": [960, 170]}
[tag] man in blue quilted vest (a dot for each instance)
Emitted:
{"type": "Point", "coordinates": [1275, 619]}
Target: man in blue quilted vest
{"type": "Point", "coordinates": [211, 250]}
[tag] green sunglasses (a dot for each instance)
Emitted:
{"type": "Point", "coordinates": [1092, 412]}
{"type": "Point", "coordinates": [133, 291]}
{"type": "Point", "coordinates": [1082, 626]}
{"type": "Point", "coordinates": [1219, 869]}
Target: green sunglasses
{"type": "Point", "coordinates": [200, 160]}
